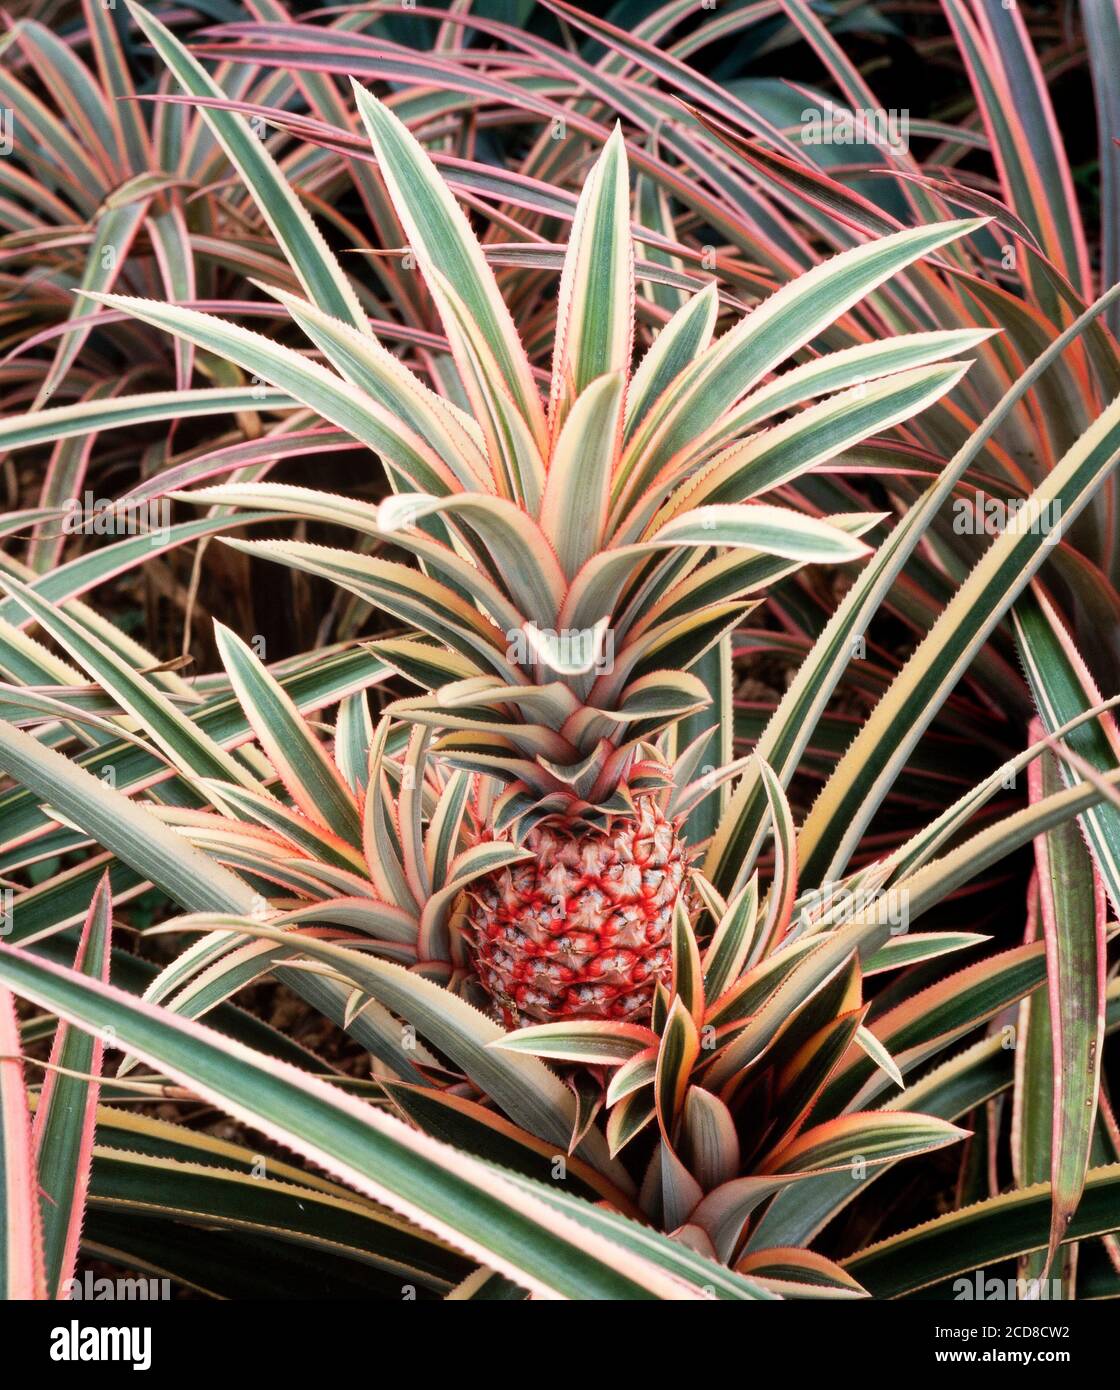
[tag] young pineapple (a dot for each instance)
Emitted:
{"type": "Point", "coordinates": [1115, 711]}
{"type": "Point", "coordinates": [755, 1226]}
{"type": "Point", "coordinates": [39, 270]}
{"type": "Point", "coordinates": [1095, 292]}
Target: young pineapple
{"type": "Point", "coordinates": [583, 929]}
{"type": "Point", "coordinates": [578, 557]}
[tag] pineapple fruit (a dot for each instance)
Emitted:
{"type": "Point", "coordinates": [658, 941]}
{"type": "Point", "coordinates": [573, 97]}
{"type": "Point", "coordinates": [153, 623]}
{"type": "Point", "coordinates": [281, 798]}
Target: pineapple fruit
{"type": "Point", "coordinates": [583, 929]}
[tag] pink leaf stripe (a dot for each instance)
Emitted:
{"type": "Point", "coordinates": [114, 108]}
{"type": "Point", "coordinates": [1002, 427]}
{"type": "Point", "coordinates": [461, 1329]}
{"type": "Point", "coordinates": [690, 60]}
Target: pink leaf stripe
{"type": "Point", "coordinates": [65, 1119]}
{"type": "Point", "coordinates": [1077, 1038]}
{"type": "Point", "coordinates": [21, 1257]}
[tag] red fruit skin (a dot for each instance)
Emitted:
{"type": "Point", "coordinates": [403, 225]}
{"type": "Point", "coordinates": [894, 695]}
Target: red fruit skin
{"type": "Point", "coordinates": [583, 930]}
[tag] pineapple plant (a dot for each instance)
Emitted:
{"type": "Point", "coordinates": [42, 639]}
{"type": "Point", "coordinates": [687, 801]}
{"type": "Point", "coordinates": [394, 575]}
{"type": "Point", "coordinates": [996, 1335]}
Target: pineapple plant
{"type": "Point", "coordinates": [578, 557]}
{"type": "Point", "coordinates": [753, 1072]}
{"type": "Point", "coordinates": [575, 934]}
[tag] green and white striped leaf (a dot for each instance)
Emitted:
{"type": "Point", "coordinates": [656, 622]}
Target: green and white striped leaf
{"type": "Point", "coordinates": [595, 313]}
{"type": "Point", "coordinates": [444, 245]}
{"type": "Point", "coordinates": [858, 783]}
{"type": "Point", "coordinates": [1063, 690]}
{"type": "Point", "coordinates": [64, 1118]}
{"type": "Point", "coordinates": [310, 776]}
{"type": "Point", "coordinates": [173, 731]}
{"type": "Point", "coordinates": [21, 1233]}
{"type": "Point", "coordinates": [573, 513]}
{"type": "Point", "coordinates": [980, 1237]}
{"type": "Point", "coordinates": [865, 1140]}
{"type": "Point", "coordinates": [119, 412]}
{"type": "Point", "coordinates": [735, 847]}
{"type": "Point", "coordinates": [788, 319]}
{"type": "Point", "coordinates": [769, 530]}
{"type": "Point", "coordinates": [296, 234]}
{"type": "Point", "coordinates": [120, 825]}
{"type": "Point", "coordinates": [680, 342]}
{"type": "Point", "coordinates": [596, 1043]}
{"type": "Point", "coordinates": [319, 389]}
{"type": "Point", "coordinates": [1073, 913]}
{"type": "Point", "coordinates": [542, 1239]}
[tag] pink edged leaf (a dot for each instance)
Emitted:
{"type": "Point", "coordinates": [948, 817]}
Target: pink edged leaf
{"type": "Point", "coordinates": [1073, 915]}
{"type": "Point", "coordinates": [851, 1144]}
{"type": "Point", "coordinates": [593, 1042]}
{"type": "Point", "coordinates": [1027, 146]}
{"type": "Point", "coordinates": [589, 1098]}
{"type": "Point", "coordinates": [444, 244]}
{"type": "Point", "coordinates": [680, 1047]}
{"type": "Point", "coordinates": [633, 1075]}
{"type": "Point", "coordinates": [628, 1118]}
{"type": "Point", "coordinates": [64, 1121]}
{"type": "Point", "coordinates": [688, 978]}
{"type": "Point", "coordinates": [21, 1232]}
{"type": "Point", "coordinates": [309, 775]}
{"type": "Point", "coordinates": [595, 316]}
{"type": "Point", "coordinates": [789, 1265]}
{"type": "Point", "coordinates": [709, 1140]}
{"type": "Point", "coordinates": [677, 1190]}
{"type": "Point", "coordinates": [783, 890]}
